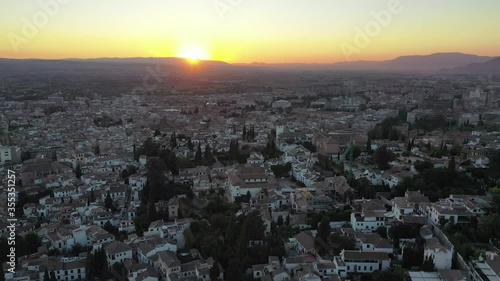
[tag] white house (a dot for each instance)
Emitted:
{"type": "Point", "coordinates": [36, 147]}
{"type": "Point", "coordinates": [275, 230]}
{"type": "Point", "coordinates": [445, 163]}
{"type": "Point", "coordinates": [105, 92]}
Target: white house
{"type": "Point", "coordinates": [441, 255]}
{"type": "Point", "coordinates": [365, 262]}
{"type": "Point", "coordinates": [117, 252]}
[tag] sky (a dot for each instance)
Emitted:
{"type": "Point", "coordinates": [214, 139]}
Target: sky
{"type": "Point", "coordinates": [245, 31]}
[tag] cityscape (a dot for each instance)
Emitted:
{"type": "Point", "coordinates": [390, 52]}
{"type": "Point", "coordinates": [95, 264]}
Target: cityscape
{"type": "Point", "coordinates": [213, 140]}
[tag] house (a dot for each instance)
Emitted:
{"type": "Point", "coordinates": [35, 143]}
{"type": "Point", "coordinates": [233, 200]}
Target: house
{"type": "Point", "coordinates": [365, 262]}
{"type": "Point", "coordinates": [168, 263]}
{"type": "Point", "coordinates": [41, 167]}
{"type": "Point", "coordinates": [117, 252]}
{"type": "Point", "coordinates": [368, 215]}
{"type": "Point", "coordinates": [304, 242]}
{"type": "Point", "coordinates": [256, 158]}
{"type": "Point", "coordinates": [64, 269]}
{"type": "Point", "coordinates": [442, 255]}
{"type": "Point", "coordinates": [446, 210]}
{"type": "Point", "coordinates": [247, 179]}
{"type": "Point", "coordinates": [301, 200]}
{"type": "Point", "coordinates": [407, 205]}
{"type": "Point", "coordinates": [147, 249]}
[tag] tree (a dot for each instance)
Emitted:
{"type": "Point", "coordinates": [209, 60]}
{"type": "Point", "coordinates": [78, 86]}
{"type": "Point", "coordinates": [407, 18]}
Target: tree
{"type": "Point", "coordinates": [108, 202]}
{"type": "Point", "coordinates": [173, 140]}
{"type": "Point", "coordinates": [382, 157]}
{"type": "Point", "coordinates": [244, 133]}
{"type": "Point", "coordinates": [413, 256]}
{"type": "Point", "coordinates": [78, 171]}
{"type": "Point", "coordinates": [280, 221]}
{"type": "Point", "coordinates": [421, 166]}
{"type": "Point", "coordinates": [451, 165]}
{"type": "Point", "coordinates": [32, 242]}
{"type": "Point", "coordinates": [494, 170]}
{"type": "Point", "coordinates": [46, 276]}
{"type": "Point", "coordinates": [92, 195]}
{"type": "Point", "coordinates": [157, 133]}
{"type": "Point", "coordinates": [2, 274]}
{"type": "Point", "coordinates": [190, 144]}
{"type": "Point", "coordinates": [214, 272]}
{"type": "Point", "coordinates": [233, 271]}
{"type": "Point", "coordinates": [455, 150]}
{"type": "Point", "coordinates": [394, 135]}
{"type": "Point", "coordinates": [208, 153]}
{"type": "Point", "coordinates": [125, 174]}
{"type": "Point", "coordinates": [76, 249]}
{"type": "Point", "coordinates": [324, 229]}
{"type": "Point", "coordinates": [428, 264]}
{"type": "Point", "coordinates": [198, 155]}
{"type": "Point", "coordinates": [53, 276]}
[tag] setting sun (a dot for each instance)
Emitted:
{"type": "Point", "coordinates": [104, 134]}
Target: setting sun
{"type": "Point", "coordinates": [193, 54]}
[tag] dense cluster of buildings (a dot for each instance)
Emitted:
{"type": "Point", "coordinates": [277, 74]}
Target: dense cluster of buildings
{"type": "Point", "coordinates": [80, 151]}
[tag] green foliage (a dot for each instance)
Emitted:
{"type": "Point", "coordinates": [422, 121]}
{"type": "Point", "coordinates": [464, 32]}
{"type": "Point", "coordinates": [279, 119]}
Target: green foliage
{"type": "Point", "coordinates": [2, 274]}
{"type": "Point", "coordinates": [108, 202]}
{"type": "Point", "coordinates": [324, 229]}
{"type": "Point", "coordinates": [494, 170]}
{"type": "Point", "coordinates": [382, 157]}
{"type": "Point", "coordinates": [214, 272]}
{"type": "Point", "coordinates": [76, 249]}
{"type": "Point", "coordinates": [96, 264]}
{"type": "Point", "coordinates": [386, 130]}
{"type": "Point", "coordinates": [428, 124]}
{"type": "Point", "coordinates": [399, 230]}
{"type": "Point", "coordinates": [46, 276]}
{"type": "Point", "coordinates": [32, 242]}
{"type": "Point", "coordinates": [78, 171]}
{"type": "Point", "coordinates": [54, 252]}
{"type": "Point", "coordinates": [428, 265]}
{"type": "Point", "coordinates": [339, 242]}
{"type": "Point", "coordinates": [413, 256]}
{"type": "Point", "coordinates": [107, 121]}
{"type": "Point", "coordinates": [309, 145]}
{"type": "Point", "coordinates": [325, 163]}
{"type": "Point", "coordinates": [391, 274]}
{"type": "Point", "coordinates": [440, 183]}
{"type": "Point", "coordinates": [420, 166]}
{"type": "Point", "coordinates": [282, 170]}
{"type": "Point", "coordinates": [198, 156]}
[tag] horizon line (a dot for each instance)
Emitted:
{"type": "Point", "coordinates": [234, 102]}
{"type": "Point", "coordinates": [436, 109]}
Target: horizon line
{"type": "Point", "coordinates": [254, 62]}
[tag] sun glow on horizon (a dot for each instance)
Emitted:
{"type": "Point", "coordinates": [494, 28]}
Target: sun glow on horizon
{"type": "Point", "coordinates": [193, 54]}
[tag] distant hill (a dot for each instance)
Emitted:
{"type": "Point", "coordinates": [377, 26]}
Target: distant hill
{"type": "Point", "coordinates": [426, 64]}
{"type": "Point", "coordinates": [421, 64]}
{"type": "Point", "coordinates": [489, 67]}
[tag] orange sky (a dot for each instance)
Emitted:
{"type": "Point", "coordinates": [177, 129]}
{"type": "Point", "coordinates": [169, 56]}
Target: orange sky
{"type": "Point", "coordinates": [318, 31]}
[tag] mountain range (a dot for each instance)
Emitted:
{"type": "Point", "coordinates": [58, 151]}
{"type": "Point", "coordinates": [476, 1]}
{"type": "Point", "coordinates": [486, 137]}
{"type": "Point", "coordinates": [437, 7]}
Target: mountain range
{"type": "Point", "coordinates": [438, 63]}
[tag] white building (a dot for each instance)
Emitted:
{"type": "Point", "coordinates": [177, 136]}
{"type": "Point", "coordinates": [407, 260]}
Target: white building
{"type": "Point", "coordinates": [10, 154]}
{"type": "Point", "coordinates": [365, 262]}
{"type": "Point", "coordinates": [368, 216]}
{"type": "Point", "coordinates": [282, 104]}
{"type": "Point", "coordinates": [441, 255]}
{"type": "Point", "coordinates": [117, 252]}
